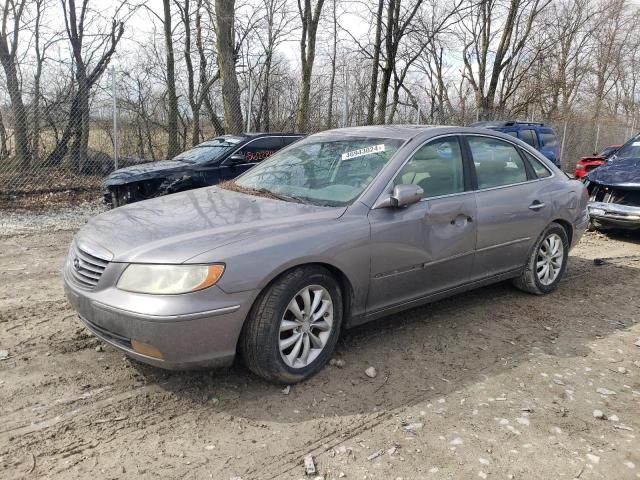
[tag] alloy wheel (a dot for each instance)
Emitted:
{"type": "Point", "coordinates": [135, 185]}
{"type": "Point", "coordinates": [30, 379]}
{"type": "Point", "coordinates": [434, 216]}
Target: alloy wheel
{"type": "Point", "coordinates": [549, 260]}
{"type": "Point", "coordinates": [306, 326]}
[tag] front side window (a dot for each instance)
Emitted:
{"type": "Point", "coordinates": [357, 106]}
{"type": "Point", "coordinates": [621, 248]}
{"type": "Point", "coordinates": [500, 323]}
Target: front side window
{"type": "Point", "coordinates": [330, 170]}
{"type": "Point", "coordinates": [257, 150]}
{"type": "Point", "coordinates": [436, 167]}
{"type": "Point", "coordinates": [497, 163]}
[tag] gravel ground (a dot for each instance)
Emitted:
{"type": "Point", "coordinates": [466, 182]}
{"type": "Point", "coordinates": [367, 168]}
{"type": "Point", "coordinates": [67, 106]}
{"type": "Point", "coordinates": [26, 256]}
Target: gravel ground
{"type": "Point", "coordinates": [69, 218]}
{"type": "Point", "coordinates": [490, 384]}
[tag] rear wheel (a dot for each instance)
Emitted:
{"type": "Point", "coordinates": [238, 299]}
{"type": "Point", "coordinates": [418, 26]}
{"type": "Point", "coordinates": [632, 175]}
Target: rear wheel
{"type": "Point", "coordinates": [547, 262]}
{"type": "Point", "coordinates": [294, 326]}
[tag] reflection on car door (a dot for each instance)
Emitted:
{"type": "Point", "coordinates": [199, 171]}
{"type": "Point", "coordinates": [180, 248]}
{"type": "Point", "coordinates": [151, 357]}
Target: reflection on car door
{"type": "Point", "coordinates": [428, 246]}
{"type": "Point", "coordinates": [512, 207]}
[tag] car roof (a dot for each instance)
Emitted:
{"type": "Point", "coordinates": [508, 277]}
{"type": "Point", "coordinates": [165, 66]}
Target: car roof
{"type": "Point", "coordinates": [401, 132]}
{"type": "Point", "coordinates": [271, 134]}
{"type": "Point", "coordinates": [506, 124]}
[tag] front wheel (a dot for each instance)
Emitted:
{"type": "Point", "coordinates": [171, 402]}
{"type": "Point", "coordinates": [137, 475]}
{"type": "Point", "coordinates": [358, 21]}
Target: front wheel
{"type": "Point", "coordinates": [547, 262]}
{"type": "Point", "coordinates": [292, 330]}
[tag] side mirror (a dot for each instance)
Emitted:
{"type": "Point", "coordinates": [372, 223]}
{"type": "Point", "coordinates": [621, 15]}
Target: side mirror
{"type": "Point", "coordinates": [237, 158]}
{"type": "Point", "coordinates": [402, 196]}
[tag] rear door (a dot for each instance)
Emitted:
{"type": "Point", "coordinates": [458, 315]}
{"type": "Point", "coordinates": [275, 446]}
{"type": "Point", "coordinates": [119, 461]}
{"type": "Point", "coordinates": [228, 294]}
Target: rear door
{"type": "Point", "coordinates": [428, 246]}
{"type": "Point", "coordinates": [512, 205]}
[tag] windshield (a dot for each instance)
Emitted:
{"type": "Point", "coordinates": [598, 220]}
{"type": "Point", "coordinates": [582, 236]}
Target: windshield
{"type": "Point", "coordinates": [631, 149]}
{"type": "Point", "coordinates": [210, 151]}
{"type": "Point", "coordinates": [330, 170]}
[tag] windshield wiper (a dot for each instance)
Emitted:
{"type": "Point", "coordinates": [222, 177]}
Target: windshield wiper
{"type": "Point", "coordinates": [281, 196]}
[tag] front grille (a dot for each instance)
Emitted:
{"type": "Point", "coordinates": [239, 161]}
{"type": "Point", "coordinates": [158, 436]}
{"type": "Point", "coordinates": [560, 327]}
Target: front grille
{"type": "Point", "coordinates": [85, 268]}
{"type": "Point", "coordinates": [621, 196]}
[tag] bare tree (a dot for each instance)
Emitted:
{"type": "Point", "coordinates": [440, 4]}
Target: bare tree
{"type": "Point", "coordinates": [227, 65]}
{"type": "Point", "coordinates": [100, 47]}
{"type": "Point", "coordinates": [485, 61]}
{"type": "Point", "coordinates": [9, 39]}
{"type": "Point", "coordinates": [310, 16]}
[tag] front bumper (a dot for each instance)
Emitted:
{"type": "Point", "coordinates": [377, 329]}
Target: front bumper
{"type": "Point", "coordinates": [196, 330]}
{"type": "Point", "coordinates": [614, 215]}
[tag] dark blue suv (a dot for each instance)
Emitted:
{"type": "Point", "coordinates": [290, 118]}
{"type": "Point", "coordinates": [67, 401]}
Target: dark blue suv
{"type": "Point", "coordinates": [539, 136]}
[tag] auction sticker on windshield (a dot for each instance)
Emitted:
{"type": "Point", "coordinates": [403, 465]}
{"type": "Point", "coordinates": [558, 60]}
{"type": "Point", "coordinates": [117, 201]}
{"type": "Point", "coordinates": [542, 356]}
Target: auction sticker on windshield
{"type": "Point", "coordinates": [363, 151]}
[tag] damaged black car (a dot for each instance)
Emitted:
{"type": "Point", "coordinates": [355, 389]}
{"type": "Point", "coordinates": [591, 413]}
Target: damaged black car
{"type": "Point", "coordinates": [614, 190]}
{"type": "Point", "coordinates": [208, 163]}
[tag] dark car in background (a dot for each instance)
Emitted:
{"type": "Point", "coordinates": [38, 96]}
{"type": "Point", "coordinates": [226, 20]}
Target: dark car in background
{"type": "Point", "coordinates": [590, 162]}
{"type": "Point", "coordinates": [540, 136]}
{"type": "Point", "coordinates": [614, 189]}
{"type": "Point", "coordinates": [208, 163]}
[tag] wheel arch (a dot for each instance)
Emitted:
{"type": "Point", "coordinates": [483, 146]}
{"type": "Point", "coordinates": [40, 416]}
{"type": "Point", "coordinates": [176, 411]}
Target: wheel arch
{"type": "Point", "coordinates": [568, 228]}
{"type": "Point", "coordinates": [345, 284]}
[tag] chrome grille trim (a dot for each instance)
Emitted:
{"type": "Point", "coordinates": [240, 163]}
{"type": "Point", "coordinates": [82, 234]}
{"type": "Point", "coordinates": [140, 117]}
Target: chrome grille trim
{"type": "Point", "coordinates": [85, 268]}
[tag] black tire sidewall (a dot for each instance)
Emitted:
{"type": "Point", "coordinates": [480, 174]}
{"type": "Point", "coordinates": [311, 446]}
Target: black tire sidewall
{"type": "Point", "coordinates": [310, 276]}
{"type": "Point", "coordinates": [561, 232]}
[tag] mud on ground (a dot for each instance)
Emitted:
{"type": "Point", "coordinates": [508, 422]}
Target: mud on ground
{"type": "Point", "coordinates": [490, 384]}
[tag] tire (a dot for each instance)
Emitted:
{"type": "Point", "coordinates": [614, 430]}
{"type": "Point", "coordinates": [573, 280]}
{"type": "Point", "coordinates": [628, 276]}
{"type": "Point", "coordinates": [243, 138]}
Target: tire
{"type": "Point", "coordinates": [262, 338]}
{"type": "Point", "coordinates": [534, 278]}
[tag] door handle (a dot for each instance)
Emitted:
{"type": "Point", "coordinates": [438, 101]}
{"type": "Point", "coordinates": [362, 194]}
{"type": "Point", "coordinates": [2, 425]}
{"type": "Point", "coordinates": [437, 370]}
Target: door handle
{"type": "Point", "coordinates": [536, 205]}
{"type": "Point", "coordinates": [461, 220]}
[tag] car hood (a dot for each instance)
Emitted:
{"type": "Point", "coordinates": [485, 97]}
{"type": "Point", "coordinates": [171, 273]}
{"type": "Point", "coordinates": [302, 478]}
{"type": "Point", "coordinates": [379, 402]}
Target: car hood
{"type": "Point", "coordinates": [175, 228]}
{"type": "Point", "coordinates": [144, 171]}
{"type": "Point", "coordinates": [621, 172]}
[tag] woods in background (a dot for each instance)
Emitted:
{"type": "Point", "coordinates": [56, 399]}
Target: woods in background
{"type": "Point", "coordinates": [187, 70]}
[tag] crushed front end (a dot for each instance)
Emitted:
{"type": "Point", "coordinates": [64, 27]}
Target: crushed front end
{"type": "Point", "coordinates": [614, 206]}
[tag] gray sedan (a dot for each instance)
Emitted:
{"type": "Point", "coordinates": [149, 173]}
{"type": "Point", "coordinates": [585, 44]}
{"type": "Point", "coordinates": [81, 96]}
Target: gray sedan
{"type": "Point", "coordinates": [338, 229]}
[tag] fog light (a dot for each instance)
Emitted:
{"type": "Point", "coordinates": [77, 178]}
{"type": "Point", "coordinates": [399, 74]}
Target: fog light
{"type": "Point", "coordinates": [146, 349]}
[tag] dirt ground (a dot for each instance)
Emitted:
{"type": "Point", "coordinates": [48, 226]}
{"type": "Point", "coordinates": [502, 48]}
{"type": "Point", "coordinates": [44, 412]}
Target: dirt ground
{"type": "Point", "coordinates": [491, 384]}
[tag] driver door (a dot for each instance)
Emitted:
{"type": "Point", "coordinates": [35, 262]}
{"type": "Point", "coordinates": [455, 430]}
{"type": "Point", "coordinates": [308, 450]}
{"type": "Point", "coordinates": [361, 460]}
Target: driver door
{"type": "Point", "coordinates": [427, 247]}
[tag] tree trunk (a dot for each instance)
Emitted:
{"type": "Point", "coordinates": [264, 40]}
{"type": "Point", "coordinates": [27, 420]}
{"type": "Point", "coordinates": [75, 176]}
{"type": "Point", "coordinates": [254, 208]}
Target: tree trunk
{"type": "Point", "coordinates": [373, 86]}
{"type": "Point", "coordinates": [17, 106]}
{"type": "Point", "coordinates": [172, 100]}
{"type": "Point", "coordinates": [310, 21]}
{"type": "Point", "coordinates": [227, 65]}
{"type": "Point", "coordinates": [333, 68]}
{"type": "Point", "coordinates": [387, 69]}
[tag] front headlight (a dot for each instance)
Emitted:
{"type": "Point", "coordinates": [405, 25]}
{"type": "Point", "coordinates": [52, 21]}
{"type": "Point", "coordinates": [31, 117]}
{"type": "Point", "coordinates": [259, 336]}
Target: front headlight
{"type": "Point", "coordinates": [169, 279]}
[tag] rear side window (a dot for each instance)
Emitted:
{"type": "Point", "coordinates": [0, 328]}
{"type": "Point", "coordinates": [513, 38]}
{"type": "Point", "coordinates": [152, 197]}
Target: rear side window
{"type": "Point", "coordinates": [529, 136]}
{"type": "Point", "coordinates": [436, 167]}
{"type": "Point", "coordinates": [259, 149]}
{"type": "Point", "coordinates": [513, 133]}
{"type": "Point", "coordinates": [497, 163]}
{"type": "Point", "coordinates": [549, 139]}
{"type": "Point", "coordinates": [538, 167]}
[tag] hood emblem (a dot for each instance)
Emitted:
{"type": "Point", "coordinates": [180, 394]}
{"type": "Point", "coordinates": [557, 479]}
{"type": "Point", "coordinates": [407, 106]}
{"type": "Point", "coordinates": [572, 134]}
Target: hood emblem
{"type": "Point", "coordinates": [76, 263]}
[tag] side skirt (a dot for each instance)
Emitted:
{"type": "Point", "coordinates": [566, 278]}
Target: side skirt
{"type": "Point", "coordinates": [359, 320]}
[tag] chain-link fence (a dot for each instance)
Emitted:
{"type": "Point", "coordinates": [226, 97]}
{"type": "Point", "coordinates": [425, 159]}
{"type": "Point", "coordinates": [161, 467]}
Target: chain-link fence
{"type": "Point", "coordinates": [72, 143]}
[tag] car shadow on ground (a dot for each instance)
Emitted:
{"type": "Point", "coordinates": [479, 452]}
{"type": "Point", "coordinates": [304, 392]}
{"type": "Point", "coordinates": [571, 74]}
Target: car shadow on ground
{"type": "Point", "coordinates": [426, 352]}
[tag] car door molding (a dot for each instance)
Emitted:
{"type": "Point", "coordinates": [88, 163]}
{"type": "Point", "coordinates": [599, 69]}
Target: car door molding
{"type": "Point", "coordinates": [505, 244]}
{"type": "Point", "coordinates": [418, 266]}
